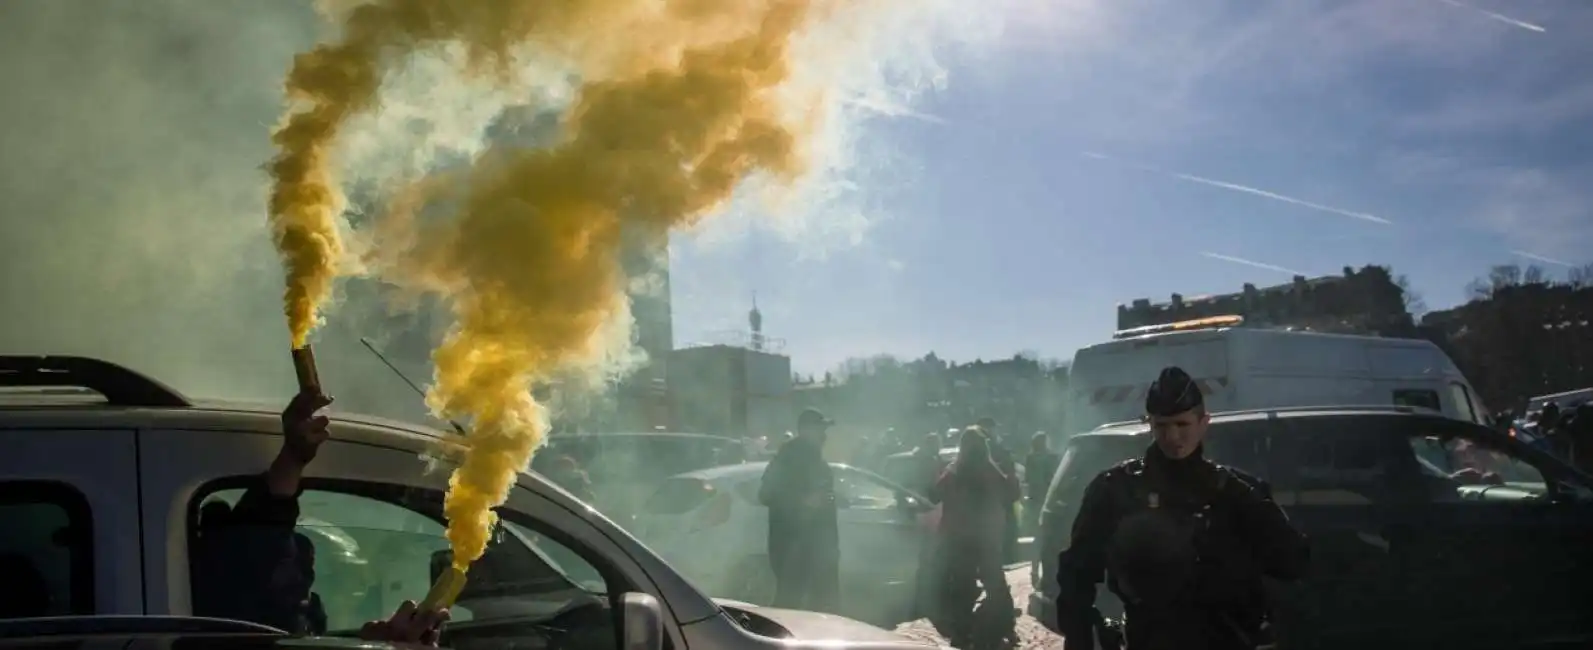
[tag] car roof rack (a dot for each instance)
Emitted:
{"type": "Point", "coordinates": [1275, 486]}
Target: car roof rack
{"type": "Point", "coordinates": [117, 625]}
{"type": "Point", "coordinates": [120, 386]}
{"type": "Point", "coordinates": [1338, 408]}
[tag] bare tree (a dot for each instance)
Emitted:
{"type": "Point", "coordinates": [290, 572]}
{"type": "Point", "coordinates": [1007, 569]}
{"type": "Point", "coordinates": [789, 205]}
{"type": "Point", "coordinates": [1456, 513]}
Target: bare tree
{"type": "Point", "coordinates": [1581, 276]}
{"type": "Point", "coordinates": [1534, 275]}
{"type": "Point", "coordinates": [1499, 277]}
{"type": "Point", "coordinates": [1414, 304]}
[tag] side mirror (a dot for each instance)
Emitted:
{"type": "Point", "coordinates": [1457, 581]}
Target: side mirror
{"type": "Point", "coordinates": [643, 622]}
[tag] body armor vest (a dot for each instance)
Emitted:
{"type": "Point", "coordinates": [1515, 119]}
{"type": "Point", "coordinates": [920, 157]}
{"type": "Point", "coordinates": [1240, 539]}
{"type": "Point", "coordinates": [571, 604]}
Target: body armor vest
{"type": "Point", "coordinates": [1154, 551]}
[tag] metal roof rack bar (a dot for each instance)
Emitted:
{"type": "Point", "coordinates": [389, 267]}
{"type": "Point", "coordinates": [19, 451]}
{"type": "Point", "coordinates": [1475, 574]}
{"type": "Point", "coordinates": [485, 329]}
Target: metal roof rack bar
{"type": "Point", "coordinates": [1337, 408]}
{"type": "Point", "coordinates": [123, 625]}
{"type": "Point", "coordinates": [120, 386]}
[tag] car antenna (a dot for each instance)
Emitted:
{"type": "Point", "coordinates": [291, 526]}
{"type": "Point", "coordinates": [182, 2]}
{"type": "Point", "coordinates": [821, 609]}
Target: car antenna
{"type": "Point", "coordinates": [367, 343]}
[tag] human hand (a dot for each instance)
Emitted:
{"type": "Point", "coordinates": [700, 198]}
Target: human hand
{"type": "Point", "coordinates": [407, 626]}
{"type": "Point", "coordinates": [303, 431]}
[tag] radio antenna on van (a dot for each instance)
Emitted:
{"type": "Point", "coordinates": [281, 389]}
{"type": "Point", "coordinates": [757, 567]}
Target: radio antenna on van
{"type": "Point", "coordinates": [460, 429]}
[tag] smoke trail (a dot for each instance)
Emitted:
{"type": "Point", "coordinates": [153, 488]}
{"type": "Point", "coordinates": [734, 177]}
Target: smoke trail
{"type": "Point", "coordinates": [1251, 263]}
{"type": "Point", "coordinates": [1497, 16]}
{"type": "Point", "coordinates": [659, 129]}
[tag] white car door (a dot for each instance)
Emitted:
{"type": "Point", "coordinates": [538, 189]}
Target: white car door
{"type": "Point", "coordinates": [68, 503]}
{"type": "Point", "coordinates": [880, 539]}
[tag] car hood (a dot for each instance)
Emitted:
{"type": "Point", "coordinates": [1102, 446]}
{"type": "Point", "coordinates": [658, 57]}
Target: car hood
{"type": "Point", "coordinates": [816, 626]}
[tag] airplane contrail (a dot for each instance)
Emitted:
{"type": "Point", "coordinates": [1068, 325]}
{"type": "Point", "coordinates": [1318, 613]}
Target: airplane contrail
{"type": "Point", "coordinates": [1254, 191]}
{"type": "Point", "coordinates": [1251, 263]}
{"type": "Point", "coordinates": [1540, 258]}
{"type": "Point", "coordinates": [1499, 17]}
{"type": "Point", "coordinates": [892, 109]}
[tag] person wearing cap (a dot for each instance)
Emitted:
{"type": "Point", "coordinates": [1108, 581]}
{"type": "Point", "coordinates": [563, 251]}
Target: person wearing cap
{"type": "Point", "coordinates": [804, 536]}
{"type": "Point", "coordinates": [1182, 541]}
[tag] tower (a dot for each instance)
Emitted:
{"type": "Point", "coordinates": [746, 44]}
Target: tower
{"type": "Point", "coordinates": [755, 319]}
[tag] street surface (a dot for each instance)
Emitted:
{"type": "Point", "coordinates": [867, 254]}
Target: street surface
{"type": "Point", "coordinates": [1031, 634]}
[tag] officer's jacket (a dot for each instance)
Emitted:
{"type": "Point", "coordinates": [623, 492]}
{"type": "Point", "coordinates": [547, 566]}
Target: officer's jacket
{"type": "Point", "coordinates": [1184, 544]}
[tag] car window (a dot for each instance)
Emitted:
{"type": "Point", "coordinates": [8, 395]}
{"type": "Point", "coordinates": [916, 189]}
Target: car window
{"type": "Point", "coordinates": [858, 491]}
{"type": "Point", "coordinates": [1470, 457]}
{"type": "Point", "coordinates": [374, 546]}
{"type": "Point", "coordinates": [679, 495]}
{"type": "Point", "coordinates": [1421, 398]}
{"type": "Point", "coordinates": [1462, 398]}
{"type": "Point", "coordinates": [1359, 460]}
{"type": "Point", "coordinates": [46, 550]}
{"type": "Point", "coordinates": [1241, 445]}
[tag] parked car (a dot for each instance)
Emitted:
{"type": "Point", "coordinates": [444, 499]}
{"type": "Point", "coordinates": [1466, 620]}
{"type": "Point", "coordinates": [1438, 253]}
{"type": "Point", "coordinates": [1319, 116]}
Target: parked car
{"type": "Point", "coordinates": [710, 525]}
{"type": "Point", "coordinates": [1408, 548]}
{"type": "Point", "coordinates": [623, 467]}
{"type": "Point", "coordinates": [101, 493]}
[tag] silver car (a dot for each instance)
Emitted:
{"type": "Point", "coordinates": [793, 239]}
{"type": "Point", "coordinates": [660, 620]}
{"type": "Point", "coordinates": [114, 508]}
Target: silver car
{"type": "Point", "coordinates": [102, 485]}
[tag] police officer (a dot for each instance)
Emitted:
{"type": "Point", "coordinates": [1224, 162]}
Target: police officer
{"type": "Point", "coordinates": [1182, 541]}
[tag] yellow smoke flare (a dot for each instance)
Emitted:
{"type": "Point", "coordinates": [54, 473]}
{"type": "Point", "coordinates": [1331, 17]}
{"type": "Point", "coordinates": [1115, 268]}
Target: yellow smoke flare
{"type": "Point", "coordinates": [678, 104]}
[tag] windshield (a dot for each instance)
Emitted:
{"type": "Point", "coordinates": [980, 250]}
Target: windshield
{"type": "Point", "coordinates": [618, 242]}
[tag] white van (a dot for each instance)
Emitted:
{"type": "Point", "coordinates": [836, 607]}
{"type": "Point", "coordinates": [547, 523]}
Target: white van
{"type": "Point", "coordinates": [1240, 368]}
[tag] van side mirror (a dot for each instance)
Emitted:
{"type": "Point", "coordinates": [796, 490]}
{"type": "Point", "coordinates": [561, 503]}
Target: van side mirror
{"type": "Point", "coordinates": [643, 622]}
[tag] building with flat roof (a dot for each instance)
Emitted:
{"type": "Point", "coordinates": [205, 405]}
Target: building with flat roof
{"type": "Point", "coordinates": [1365, 301]}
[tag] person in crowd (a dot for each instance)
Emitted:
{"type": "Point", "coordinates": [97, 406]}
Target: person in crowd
{"type": "Point", "coordinates": [1578, 431]}
{"type": "Point", "coordinates": [976, 497]}
{"type": "Point", "coordinates": [926, 465]}
{"type": "Point", "coordinates": [252, 565]}
{"type": "Point", "coordinates": [1549, 430]}
{"type": "Point", "coordinates": [1008, 465]}
{"type": "Point", "coordinates": [1039, 465]}
{"type": "Point", "coordinates": [1183, 542]}
{"type": "Point", "coordinates": [804, 536]}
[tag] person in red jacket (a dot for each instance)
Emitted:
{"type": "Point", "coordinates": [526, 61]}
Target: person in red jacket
{"type": "Point", "coordinates": [975, 496]}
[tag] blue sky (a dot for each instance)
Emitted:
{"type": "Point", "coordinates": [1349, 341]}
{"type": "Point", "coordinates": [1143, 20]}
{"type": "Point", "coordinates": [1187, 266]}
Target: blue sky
{"type": "Point", "coordinates": [1464, 127]}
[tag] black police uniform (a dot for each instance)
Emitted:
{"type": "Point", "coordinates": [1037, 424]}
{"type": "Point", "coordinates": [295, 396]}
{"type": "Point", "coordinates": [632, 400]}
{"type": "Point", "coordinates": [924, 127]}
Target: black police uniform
{"type": "Point", "coordinates": [1184, 543]}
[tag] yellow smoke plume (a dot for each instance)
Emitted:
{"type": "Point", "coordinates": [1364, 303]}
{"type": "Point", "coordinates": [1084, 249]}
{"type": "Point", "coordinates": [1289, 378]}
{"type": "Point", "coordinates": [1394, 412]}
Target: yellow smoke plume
{"type": "Point", "coordinates": [677, 104]}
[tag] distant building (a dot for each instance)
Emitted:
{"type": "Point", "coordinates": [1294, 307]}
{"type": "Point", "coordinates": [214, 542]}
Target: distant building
{"type": "Point", "coordinates": [1368, 301]}
{"type": "Point", "coordinates": [739, 386]}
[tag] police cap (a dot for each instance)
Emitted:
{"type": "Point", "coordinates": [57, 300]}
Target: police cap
{"type": "Point", "coordinates": [1173, 392]}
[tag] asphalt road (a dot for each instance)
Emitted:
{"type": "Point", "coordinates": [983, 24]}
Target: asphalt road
{"type": "Point", "coordinates": [1031, 634]}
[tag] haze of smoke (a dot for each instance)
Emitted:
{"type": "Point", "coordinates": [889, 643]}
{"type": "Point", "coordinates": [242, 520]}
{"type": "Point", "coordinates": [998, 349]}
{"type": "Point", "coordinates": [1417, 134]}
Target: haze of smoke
{"type": "Point", "coordinates": [129, 148]}
{"type": "Point", "coordinates": [664, 126]}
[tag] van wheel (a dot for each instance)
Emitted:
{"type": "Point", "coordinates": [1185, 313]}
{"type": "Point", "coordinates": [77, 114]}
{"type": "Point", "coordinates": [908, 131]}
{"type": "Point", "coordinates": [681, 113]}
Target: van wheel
{"type": "Point", "coordinates": [752, 581]}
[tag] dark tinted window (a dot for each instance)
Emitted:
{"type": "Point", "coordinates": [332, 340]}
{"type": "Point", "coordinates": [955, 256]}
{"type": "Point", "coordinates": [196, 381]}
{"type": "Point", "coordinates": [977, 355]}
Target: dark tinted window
{"type": "Point", "coordinates": [1352, 460]}
{"type": "Point", "coordinates": [1426, 399]}
{"type": "Point", "coordinates": [1242, 445]}
{"type": "Point", "coordinates": [46, 550]}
